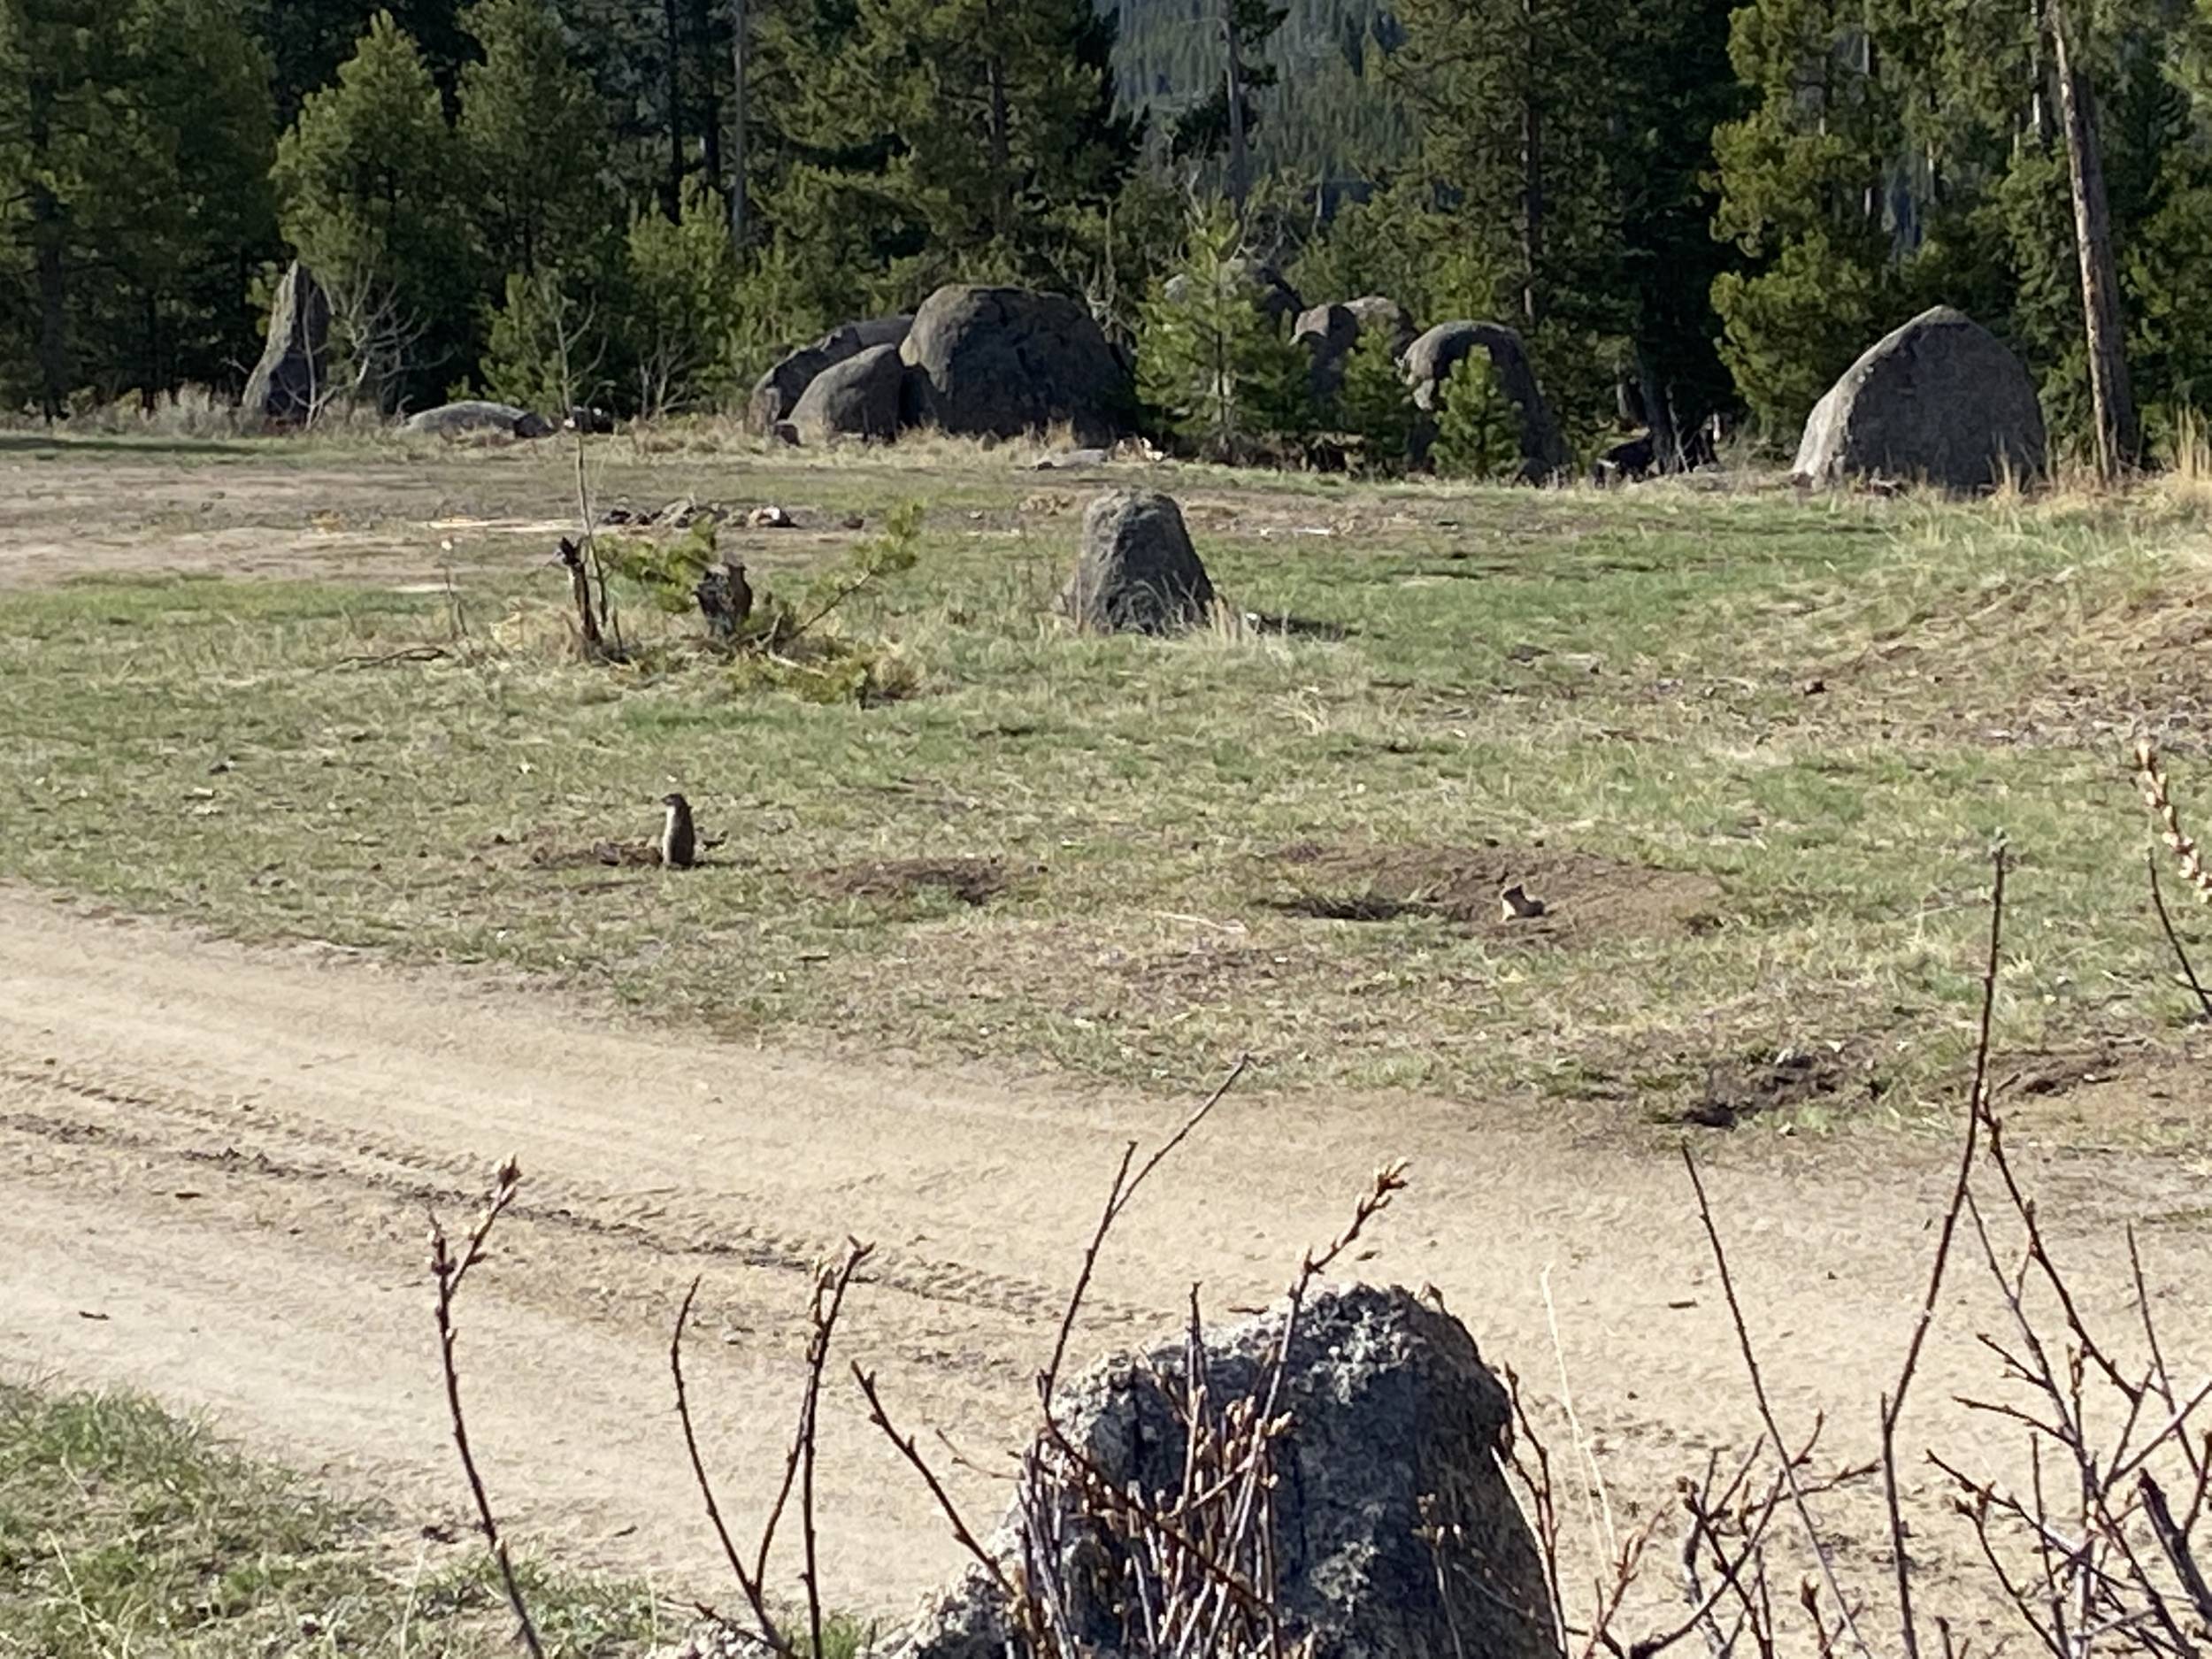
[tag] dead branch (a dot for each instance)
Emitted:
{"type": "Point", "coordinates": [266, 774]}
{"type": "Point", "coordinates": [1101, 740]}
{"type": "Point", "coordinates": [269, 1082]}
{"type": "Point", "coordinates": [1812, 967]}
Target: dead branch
{"type": "Point", "coordinates": [907, 1448]}
{"type": "Point", "coordinates": [832, 1281]}
{"type": "Point", "coordinates": [1813, 1535]}
{"type": "Point", "coordinates": [1893, 1405]}
{"type": "Point", "coordinates": [2173, 938]}
{"type": "Point", "coordinates": [754, 1595]}
{"type": "Point", "coordinates": [449, 1272]}
{"type": "Point", "coordinates": [1124, 1188]}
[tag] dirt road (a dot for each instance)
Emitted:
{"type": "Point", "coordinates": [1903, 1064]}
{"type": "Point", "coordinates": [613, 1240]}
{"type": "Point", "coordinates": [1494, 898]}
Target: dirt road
{"type": "Point", "coordinates": [216, 1163]}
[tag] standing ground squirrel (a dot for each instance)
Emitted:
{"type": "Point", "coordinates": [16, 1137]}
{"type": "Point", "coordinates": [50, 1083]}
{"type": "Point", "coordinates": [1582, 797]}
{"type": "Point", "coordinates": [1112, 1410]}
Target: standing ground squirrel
{"type": "Point", "coordinates": [680, 841]}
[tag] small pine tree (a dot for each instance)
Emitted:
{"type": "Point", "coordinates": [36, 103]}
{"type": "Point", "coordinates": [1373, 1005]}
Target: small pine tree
{"type": "Point", "coordinates": [1374, 405]}
{"type": "Point", "coordinates": [547, 345]}
{"type": "Point", "coordinates": [681, 306]}
{"type": "Point", "coordinates": [1217, 371]}
{"type": "Point", "coordinates": [1478, 426]}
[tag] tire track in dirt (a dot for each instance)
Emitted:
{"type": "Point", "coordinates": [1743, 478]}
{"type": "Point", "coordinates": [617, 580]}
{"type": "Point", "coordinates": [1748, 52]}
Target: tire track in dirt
{"type": "Point", "coordinates": [214, 1161]}
{"type": "Point", "coordinates": [131, 1112]}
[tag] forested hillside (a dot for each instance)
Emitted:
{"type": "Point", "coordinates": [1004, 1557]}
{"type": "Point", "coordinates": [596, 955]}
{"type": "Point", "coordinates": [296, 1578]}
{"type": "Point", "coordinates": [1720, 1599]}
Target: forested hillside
{"type": "Point", "coordinates": [1330, 116]}
{"type": "Point", "coordinates": [1722, 201]}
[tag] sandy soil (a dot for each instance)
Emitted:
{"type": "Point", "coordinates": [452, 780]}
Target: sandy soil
{"type": "Point", "coordinates": [217, 1165]}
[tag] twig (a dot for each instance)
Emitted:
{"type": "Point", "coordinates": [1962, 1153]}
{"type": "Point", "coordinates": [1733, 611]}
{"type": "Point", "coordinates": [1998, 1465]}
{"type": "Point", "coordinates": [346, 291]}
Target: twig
{"type": "Point", "coordinates": [830, 1286]}
{"type": "Point", "coordinates": [2166, 921]}
{"type": "Point", "coordinates": [746, 1582]}
{"type": "Point", "coordinates": [1894, 1403]}
{"type": "Point", "coordinates": [1766, 1409]}
{"type": "Point", "coordinates": [2174, 1543]}
{"type": "Point", "coordinates": [1124, 1190]}
{"type": "Point", "coordinates": [450, 1273]}
{"type": "Point", "coordinates": [406, 654]}
{"type": "Point", "coordinates": [909, 1451]}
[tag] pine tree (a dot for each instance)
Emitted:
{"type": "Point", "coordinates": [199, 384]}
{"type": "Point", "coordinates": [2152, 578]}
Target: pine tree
{"type": "Point", "coordinates": [1374, 405]}
{"type": "Point", "coordinates": [134, 140]}
{"type": "Point", "coordinates": [1803, 176]}
{"type": "Point", "coordinates": [965, 140]}
{"type": "Point", "coordinates": [680, 306]}
{"type": "Point", "coordinates": [1201, 133]}
{"type": "Point", "coordinates": [60, 137]}
{"type": "Point", "coordinates": [368, 176]}
{"type": "Point", "coordinates": [1477, 427]}
{"type": "Point", "coordinates": [535, 144]}
{"type": "Point", "coordinates": [1511, 96]}
{"type": "Point", "coordinates": [201, 140]}
{"type": "Point", "coordinates": [1215, 368]}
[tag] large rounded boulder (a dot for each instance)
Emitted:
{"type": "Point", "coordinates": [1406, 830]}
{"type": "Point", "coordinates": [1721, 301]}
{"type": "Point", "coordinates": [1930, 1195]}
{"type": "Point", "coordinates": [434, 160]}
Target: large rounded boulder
{"type": "Point", "coordinates": [858, 398]}
{"type": "Point", "coordinates": [1327, 334]}
{"type": "Point", "coordinates": [1430, 360]}
{"type": "Point", "coordinates": [1138, 572]}
{"type": "Point", "coordinates": [776, 394]}
{"type": "Point", "coordinates": [1391, 1526]}
{"type": "Point", "coordinates": [1000, 363]}
{"type": "Point", "coordinates": [1940, 401]}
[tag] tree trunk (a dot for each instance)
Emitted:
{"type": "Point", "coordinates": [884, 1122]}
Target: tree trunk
{"type": "Point", "coordinates": [46, 234]}
{"type": "Point", "coordinates": [675, 111]}
{"type": "Point", "coordinates": [2119, 434]}
{"type": "Point", "coordinates": [1239, 161]}
{"type": "Point", "coordinates": [1666, 442]}
{"type": "Point", "coordinates": [1002, 154]}
{"type": "Point", "coordinates": [740, 25]}
{"type": "Point", "coordinates": [709, 92]}
{"type": "Point", "coordinates": [1531, 174]}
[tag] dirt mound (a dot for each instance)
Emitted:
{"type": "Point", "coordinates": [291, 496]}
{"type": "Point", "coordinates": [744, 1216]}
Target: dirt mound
{"type": "Point", "coordinates": [1746, 1086]}
{"type": "Point", "coordinates": [1560, 895]}
{"type": "Point", "coordinates": [971, 880]}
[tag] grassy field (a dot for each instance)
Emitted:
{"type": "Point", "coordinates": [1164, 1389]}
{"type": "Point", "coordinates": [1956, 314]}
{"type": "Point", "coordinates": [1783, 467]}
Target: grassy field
{"type": "Point", "coordinates": [1750, 749]}
{"type": "Point", "coordinates": [125, 1531]}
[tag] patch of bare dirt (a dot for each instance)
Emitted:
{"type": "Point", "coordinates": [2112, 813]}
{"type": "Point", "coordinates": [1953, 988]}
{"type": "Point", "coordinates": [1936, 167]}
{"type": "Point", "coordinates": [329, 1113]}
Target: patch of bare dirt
{"type": "Point", "coordinates": [1738, 1089]}
{"type": "Point", "coordinates": [312, 1105]}
{"type": "Point", "coordinates": [1527, 893]}
{"type": "Point", "coordinates": [975, 881]}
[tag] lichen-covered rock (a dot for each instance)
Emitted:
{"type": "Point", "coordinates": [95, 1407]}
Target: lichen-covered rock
{"type": "Point", "coordinates": [286, 383]}
{"type": "Point", "coordinates": [1138, 572]}
{"type": "Point", "coordinates": [1430, 360]}
{"type": "Point", "coordinates": [472, 416]}
{"type": "Point", "coordinates": [1391, 1409]}
{"type": "Point", "coordinates": [858, 398]}
{"type": "Point", "coordinates": [1000, 363]}
{"type": "Point", "coordinates": [1940, 401]}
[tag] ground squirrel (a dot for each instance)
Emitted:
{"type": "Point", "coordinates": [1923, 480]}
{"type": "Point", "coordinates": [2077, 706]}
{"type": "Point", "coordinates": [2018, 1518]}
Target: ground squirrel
{"type": "Point", "coordinates": [1515, 904]}
{"type": "Point", "coordinates": [680, 841]}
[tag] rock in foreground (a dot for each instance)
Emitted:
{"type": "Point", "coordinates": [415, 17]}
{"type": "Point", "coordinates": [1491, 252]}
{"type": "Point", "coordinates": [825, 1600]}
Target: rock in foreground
{"type": "Point", "coordinates": [1941, 400]}
{"type": "Point", "coordinates": [1391, 1405]}
{"type": "Point", "coordinates": [1138, 572]}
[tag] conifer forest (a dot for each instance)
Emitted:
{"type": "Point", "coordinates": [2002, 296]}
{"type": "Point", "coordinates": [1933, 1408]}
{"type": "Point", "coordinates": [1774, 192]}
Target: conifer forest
{"type": "Point", "coordinates": [1714, 205]}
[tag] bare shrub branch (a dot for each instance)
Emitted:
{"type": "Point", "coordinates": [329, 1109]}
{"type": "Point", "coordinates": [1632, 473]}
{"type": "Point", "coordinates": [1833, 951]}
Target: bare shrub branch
{"type": "Point", "coordinates": [448, 1271]}
{"type": "Point", "coordinates": [832, 1281]}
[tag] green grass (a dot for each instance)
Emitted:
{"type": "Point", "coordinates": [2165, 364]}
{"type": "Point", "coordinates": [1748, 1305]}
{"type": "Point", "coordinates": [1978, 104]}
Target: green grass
{"type": "Point", "coordinates": [126, 1531]}
{"type": "Point", "coordinates": [1602, 685]}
